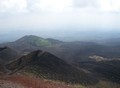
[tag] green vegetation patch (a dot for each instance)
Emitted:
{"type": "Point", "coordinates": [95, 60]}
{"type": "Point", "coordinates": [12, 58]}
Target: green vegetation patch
{"type": "Point", "coordinates": [37, 41]}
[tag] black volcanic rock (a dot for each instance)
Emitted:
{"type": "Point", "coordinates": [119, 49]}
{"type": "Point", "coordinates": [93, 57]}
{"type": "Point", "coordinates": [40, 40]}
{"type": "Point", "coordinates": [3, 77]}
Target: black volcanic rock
{"type": "Point", "coordinates": [1, 69]}
{"type": "Point", "coordinates": [107, 69]}
{"type": "Point", "coordinates": [7, 54]}
{"type": "Point", "coordinates": [48, 66]}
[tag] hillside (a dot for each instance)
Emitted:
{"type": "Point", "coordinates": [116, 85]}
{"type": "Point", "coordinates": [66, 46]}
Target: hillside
{"type": "Point", "coordinates": [71, 52]}
{"type": "Point", "coordinates": [76, 51]}
{"type": "Point", "coordinates": [30, 43]}
{"type": "Point", "coordinates": [87, 63]}
{"type": "Point", "coordinates": [7, 54]}
{"type": "Point", "coordinates": [48, 66]}
{"type": "Point", "coordinates": [1, 69]}
{"type": "Point", "coordinates": [105, 69]}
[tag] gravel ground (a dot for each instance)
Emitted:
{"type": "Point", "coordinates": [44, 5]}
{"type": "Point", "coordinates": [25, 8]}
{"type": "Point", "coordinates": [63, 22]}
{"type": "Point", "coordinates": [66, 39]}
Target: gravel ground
{"type": "Point", "coordinates": [6, 84]}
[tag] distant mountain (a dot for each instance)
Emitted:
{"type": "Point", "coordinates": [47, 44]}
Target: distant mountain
{"type": "Point", "coordinates": [33, 40]}
{"type": "Point", "coordinates": [77, 51]}
{"type": "Point", "coordinates": [69, 51]}
{"type": "Point", "coordinates": [48, 66]}
{"type": "Point", "coordinates": [111, 41]}
{"type": "Point", "coordinates": [81, 51]}
{"type": "Point", "coordinates": [30, 43]}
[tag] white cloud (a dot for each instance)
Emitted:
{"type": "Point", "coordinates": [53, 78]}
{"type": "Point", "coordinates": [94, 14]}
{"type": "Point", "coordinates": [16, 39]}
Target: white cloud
{"type": "Point", "coordinates": [58, 5]}
{"type": "Point", "coordinates": [109, 5]}
{"type": "Point", "coordinates": [36, 5]}
{"type": "Point", "coordinates": [49, 5]}
{"type": "Point", "coordinates": [85, 3]}
{"type": "Point", "coordinates": [60, 13]}
{"type": "Point", "coordinates": [13, 5]}
{"type": "Point", "coordinates": [100, 5]}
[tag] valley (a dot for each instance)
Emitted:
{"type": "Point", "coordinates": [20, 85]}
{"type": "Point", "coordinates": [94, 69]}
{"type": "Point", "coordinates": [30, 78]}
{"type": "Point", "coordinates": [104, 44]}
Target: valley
{"type": "Point", "coordinates": [32, 61]}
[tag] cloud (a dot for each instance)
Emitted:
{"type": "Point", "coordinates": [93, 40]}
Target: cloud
{"type": "Point", "coordinates": [100, 5]}
{"type": "Point", "coordinates": [85, 3]}
{"type": "Point", "coordinates": [109, 5]}
{"type": "Point", "coordinates": [34, 5]}
{"type": "Point", "coordinates": [59, 14]}
{"type": "Point", "coordinates": [58, 5]}
{"type": "Point", "coordinates": [13, 5]}
{"type": "Point", "coordinates": [49, 5]}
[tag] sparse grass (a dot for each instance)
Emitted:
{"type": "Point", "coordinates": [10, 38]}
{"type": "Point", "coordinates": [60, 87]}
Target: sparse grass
{"type": "Point", "coordinates": [79, 86]}
{"type": "Point", "coordinates": [37, 41]}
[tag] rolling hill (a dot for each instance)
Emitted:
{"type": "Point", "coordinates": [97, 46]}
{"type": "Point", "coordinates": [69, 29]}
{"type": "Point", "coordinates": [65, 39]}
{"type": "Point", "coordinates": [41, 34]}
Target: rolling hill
{"type": "Point", "coordinates": [71, 52]}
{"type": "Point", "coordinates": [30, 43]}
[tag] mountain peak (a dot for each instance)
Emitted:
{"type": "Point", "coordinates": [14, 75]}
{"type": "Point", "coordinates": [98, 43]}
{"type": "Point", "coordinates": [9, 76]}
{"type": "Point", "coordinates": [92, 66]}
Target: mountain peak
{"type": "Point", "coordinates": [48, 66]}
{"type": "Point", "coordinates": [32, 41]}
{"type": "Point", "coordinates": [29, 37]}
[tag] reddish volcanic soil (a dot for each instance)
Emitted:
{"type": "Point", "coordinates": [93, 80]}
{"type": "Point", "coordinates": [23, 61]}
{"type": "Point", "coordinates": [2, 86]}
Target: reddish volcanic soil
{"type": "Point", "coordinates": [8, 84]}
{"type": "Point", "coordinates": [29, 82]}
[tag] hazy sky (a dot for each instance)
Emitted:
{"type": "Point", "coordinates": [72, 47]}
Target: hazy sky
{"type": "Point", "coordinates": [56, 15]}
